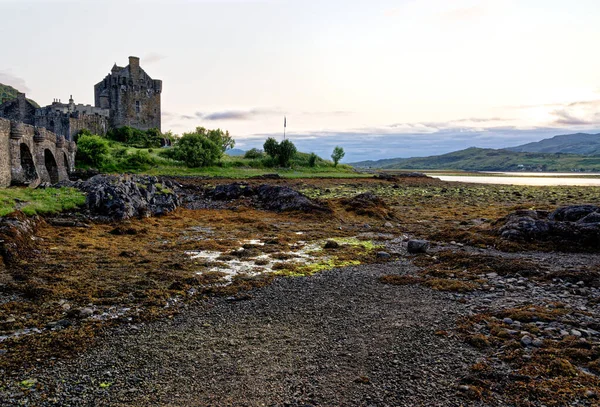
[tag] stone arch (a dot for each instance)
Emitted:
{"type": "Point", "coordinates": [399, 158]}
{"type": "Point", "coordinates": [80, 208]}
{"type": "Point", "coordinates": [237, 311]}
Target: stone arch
{"type": "Point", "coordinates": [27, 164]}
{"type": "Point", "coordinates": [51, 166]}
{"type": "Point", "coordinates": [66, 162]}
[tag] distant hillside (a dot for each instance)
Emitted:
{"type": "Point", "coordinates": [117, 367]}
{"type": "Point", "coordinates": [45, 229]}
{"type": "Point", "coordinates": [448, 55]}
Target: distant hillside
{"type": "Point", "coordinates": [8, 92]}
{"type": "Point", "coordinates": [487, 159]}
{"type": "Point", "coordinates": [234, 152]}
{"type": "Point", "coordinates": [580, 143]}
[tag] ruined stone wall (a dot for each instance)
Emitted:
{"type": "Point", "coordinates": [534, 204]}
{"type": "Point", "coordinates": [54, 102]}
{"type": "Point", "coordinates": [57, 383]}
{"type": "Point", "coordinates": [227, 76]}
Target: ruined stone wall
{"type": "Point", "coordinates": [4, 153]}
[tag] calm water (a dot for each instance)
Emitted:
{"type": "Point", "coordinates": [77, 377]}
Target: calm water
{"type": "Point", "coordinates": [521, 179]}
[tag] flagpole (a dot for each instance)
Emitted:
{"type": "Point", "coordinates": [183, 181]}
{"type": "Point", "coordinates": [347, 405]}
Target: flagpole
{"type": "Point", "coordinates": [284, 126]}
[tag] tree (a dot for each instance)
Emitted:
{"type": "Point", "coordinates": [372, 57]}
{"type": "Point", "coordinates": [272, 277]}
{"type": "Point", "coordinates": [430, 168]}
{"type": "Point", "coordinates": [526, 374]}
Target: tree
{"type": "Point", "coordinates": [196, 150]}
{"type": "Point", "coordinates": [337, 155]}
{"type": "Point", "coordinates": [312, 160]}
{"type": "Point", "coordinates": [271, 147]}
{"type": "Point", "coordinates": [92, 150]}
{"type": "Point", "coordinates": [287, 151]}
{"type": "Point", "coordinates": [220, 138]}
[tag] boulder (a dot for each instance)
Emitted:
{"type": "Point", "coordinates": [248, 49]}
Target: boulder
{"type": "Point", "coordinates": [417, 246]}
{"type": "Point", "coordinates": [572, 228]}
{"type": "Point", "coordinates": [118, 197]}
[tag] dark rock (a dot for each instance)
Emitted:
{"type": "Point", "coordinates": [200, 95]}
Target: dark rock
{"type": "Point", "coordinates": [266, 176]}
{"type": "Point", "coordinates": [573, 228]}
{"type": "Point", "coordinates": [383, 255]}
{"type": "Point", "coordinates": [331, 244]}
{"type": "Point", "coordinates": [417, 246]}
{"type": "Point", "coordinates": [117, 197]}
{"type": "Point", "coordinates": [573, 213]}
{"type": "Point", "coordinates": [271, 197]}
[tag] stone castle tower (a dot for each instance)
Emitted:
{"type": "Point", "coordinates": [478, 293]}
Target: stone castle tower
{"type": "Point", "coordinates": [131, 96]}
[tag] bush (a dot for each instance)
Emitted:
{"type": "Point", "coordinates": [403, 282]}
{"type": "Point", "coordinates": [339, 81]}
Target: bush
{"type": "Point", "coordinates": [92, 150]}
{"type": "Point", "coordinates": [282, 153]}
{"type": "Point", "coordinates": [337, 155]}
{"type": "Point", "coordinates": [312, 160]}
{"type": "Point", "coordinates": [287, 151]}
{"type": "Point", "coordinates": [195, 150]}
{"type": "Point", "coordinates": [136, 138]}
{"type": "Point", "coordinates": [138, 160]}
{"type": "Point", "coordinates": [254, 153]}
{"type": "Point", "coordinates": [271, 147]}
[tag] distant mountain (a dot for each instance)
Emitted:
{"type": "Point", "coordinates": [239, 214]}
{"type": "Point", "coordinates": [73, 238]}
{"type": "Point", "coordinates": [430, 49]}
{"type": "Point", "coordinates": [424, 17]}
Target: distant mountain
{"type": "Point", "coordinates": [580, 143]}
{"type": "Point", "coordinates": [8, 92]}
{"type": "Point", "coordinates": [235, 152]}
{"type": "Point", "coordinates": [487, 159]}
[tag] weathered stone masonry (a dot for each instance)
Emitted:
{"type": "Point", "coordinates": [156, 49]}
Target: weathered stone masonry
{"type": "Point", "coordinates": [31, 155]}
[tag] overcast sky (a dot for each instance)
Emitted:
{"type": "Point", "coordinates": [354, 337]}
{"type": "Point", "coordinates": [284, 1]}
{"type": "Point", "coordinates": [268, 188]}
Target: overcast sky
{"type": "Point", "coordinates": [381, 78]}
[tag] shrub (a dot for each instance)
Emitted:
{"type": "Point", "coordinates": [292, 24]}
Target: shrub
{"type": "Point", "coordinates": [195, 150]}
{"type": "Point", "coordinates": [312, 160]}
{"type": "Point", "coordinates": [138, 160]}
{"type": "Point", "coordinates": [287, 151]}
{"type": "Point", "coordinates": [254, 153]}
{"type": "Point", "coordinates": [337, 155]}
{"type": "Point", "coordinates": [271, 147]}
{"type": "Point", "coordinates": [92, 150]}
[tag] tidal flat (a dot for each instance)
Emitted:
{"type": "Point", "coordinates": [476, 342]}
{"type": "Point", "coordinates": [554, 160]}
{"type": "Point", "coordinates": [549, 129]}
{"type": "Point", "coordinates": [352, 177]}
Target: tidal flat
{"type": "Point", "coordinates": [312, 306]}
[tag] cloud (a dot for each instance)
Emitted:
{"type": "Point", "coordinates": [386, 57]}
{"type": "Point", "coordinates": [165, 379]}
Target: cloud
{"type": "Point", "coordinates": [464, 13]}
{"type": "Point", "coordinates": [228, 115]}
{"type": "Point", "coordinates": [7, 78]}
{"type": "Point", "coordinates": [581, 113]}
{"type": "Point", "coordinates": [152, 57]}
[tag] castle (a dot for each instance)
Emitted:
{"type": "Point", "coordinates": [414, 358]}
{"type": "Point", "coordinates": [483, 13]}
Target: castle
{"type": "Point", "coordinates": [36, 144]}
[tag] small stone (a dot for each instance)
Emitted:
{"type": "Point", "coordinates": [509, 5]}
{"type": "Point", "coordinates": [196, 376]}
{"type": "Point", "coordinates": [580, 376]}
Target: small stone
{"type": "Point", "coordinates": [86, 312]}
{"type": "Point", "coordinates": [383, 255]}
{"type": "Point", "coordinates": [388, 225]}
{"type": "Point", "coordinates": [538, 343]}
{"type": "Point", "coordinates": [417, 246]}
{"type": "Point", "coordinates": [526, 340]}
{"type": "Point", "coordinates": [576, 333]}
{"type": "Point", "coordinates": [590, 394]}
{"type": "Point", "coordinates": [507, 321]}
{"type": "Point", "coordinates": [331, 244]}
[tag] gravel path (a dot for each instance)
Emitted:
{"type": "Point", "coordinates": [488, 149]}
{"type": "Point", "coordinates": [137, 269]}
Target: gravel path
{"type": "Point", "coordinates": [336, 338]}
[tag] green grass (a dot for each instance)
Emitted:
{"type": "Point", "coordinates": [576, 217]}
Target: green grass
{"type": "Point", "coordinates": [237, 167]}
{"type": "Point", "coordinates": [39, 201]}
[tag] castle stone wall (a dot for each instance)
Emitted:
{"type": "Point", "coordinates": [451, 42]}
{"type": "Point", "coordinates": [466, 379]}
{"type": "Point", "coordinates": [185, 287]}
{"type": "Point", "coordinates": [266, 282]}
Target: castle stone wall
{"type": "Point", "coordinates": [30, 155]}
{"type": "Point", "coordinates": [132, 97]}
{"type": "Point", "coordinates": [4, 153]}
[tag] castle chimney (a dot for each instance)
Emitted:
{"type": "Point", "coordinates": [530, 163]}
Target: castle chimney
{"type": "Point", "coordinates": [134, 66]}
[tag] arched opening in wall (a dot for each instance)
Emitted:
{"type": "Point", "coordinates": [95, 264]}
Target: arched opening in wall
{"type": "Point", "coordinates": [51, 126]}
{"type": "Point", "coordinates": [51, 166]}
{"type": "Point", "coordinates": [67, 166]}
{"type": "Point", "coordinates": [27, 164]}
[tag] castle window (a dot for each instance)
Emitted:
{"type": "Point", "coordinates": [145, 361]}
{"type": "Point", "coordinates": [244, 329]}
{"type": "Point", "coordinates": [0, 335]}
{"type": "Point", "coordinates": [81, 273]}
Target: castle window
{"type": "Point", "coordinates": [137, 106]}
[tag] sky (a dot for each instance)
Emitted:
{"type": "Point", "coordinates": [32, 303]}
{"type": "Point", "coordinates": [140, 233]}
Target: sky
{"type": "Point", "coordinates": [380, 78]}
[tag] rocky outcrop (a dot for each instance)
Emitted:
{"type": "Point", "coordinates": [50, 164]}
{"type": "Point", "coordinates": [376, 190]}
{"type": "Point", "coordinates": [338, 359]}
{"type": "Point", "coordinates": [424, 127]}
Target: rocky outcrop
{"type": "Point", "coordinates": [118, 197]}
{"type": "Point", "coordinates": [368, 204]}
{"type": "Point", "coordinates": [270, 197]}
{"type": "Point", "coordinates": [576, 227]}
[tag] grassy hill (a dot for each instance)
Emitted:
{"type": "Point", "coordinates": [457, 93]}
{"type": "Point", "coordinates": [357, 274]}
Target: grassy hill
{"type": "Point", "coordinates": [580, 143]}
{"type": "Point", "coordinates": [8, 92]}
{"type": "Point", "coordinates": [486, 159]}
